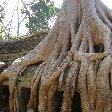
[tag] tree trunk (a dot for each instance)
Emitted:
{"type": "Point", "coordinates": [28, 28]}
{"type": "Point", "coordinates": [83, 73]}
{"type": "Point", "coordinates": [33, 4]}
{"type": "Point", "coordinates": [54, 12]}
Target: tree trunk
{"type": "Point", "coordinates": [76, 54]}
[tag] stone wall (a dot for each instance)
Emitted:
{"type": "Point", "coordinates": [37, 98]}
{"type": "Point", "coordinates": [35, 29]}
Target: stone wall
{"type": "Point", "coordinates": [11, 50]}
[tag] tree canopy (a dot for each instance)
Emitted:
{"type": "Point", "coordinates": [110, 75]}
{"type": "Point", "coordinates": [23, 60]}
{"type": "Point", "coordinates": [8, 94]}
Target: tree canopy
{"type": "Point", "coordinates": [34, 16]}
{"type": "Point", "coordinates": [40, 14]}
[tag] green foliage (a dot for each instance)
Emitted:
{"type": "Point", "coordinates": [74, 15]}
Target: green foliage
{"type": "Point", "coordinates": [40, 14]}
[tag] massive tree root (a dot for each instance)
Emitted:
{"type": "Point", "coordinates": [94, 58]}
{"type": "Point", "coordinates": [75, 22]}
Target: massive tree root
{"type": "Point", "coordinates": [75, 55]}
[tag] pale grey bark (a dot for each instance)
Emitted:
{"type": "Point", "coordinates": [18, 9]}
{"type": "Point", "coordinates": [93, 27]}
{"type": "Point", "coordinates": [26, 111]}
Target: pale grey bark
{"type": "Point", "coordinates": [81, 26]}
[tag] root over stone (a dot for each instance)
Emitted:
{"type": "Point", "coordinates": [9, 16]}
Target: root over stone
{"type": "Point", "coordinates": [68, 57]}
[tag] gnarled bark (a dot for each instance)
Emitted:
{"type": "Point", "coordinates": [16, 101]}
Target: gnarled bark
{"type": "Point", "coordinates": [70, 46]}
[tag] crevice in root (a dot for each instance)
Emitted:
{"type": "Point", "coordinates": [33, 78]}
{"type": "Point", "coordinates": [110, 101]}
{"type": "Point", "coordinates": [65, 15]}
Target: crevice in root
{"type": "Point", "coordinates": [110, 82]}
{"type": "Point", "coordinates": [63, 76]}
{"type": "Point", "coordinates": [4, 100]}
{"type": "Point", "coordinates": [98, 48]}
{"type": "Point", "coordinates": [76, 102]}
{"type": "Point", "coordinates": [25, 96]}
{"type": "Point", "coordinates": [35, 85]}
{"type": "Point", "coordinates": [111, 78]}
{"type": "Point", "coordinates": [58, 100]}
{"type": "Point", "coordinates": [70, 86]}
{"type": "Point", "coordinates": [46, 85]}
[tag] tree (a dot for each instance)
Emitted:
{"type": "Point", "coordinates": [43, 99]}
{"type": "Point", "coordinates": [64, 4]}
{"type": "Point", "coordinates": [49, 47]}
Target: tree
{"type": "Point", "coordinates": [2, 13]}
{"type": "Point", "coordinates": [39, 15]}
{"type": "Point", "coordinates": [5, 29]}
{"type": "Point", "coordinates": [76, 53]}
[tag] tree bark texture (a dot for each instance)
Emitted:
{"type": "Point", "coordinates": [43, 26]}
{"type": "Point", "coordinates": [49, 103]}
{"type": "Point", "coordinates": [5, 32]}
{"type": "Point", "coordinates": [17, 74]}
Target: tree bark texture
{"type": "Point", "coordinates": [76, 54]}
